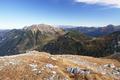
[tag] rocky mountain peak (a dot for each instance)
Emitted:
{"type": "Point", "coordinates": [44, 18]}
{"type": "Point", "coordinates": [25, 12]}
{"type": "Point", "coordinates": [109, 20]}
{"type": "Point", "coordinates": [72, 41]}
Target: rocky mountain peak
{"type": "Point", "coordinates": [44, 28]}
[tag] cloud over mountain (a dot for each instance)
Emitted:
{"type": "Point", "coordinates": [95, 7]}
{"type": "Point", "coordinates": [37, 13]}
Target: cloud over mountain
{"type": "Point", "coordinates": [110, 3]}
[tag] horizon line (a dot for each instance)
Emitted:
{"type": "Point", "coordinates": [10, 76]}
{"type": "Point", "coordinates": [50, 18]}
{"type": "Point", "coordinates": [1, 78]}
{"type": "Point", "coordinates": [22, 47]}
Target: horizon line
{"type": "Point", "coordinates": [54, 25]}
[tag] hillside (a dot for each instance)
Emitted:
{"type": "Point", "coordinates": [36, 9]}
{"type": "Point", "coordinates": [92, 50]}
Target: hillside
{"type": "Point", "coordinates": [70, 43]}
{"type": "Point", "coordinates": [114, 41]}
{"type": "Point", "coordinates": [43, 66]}
{"type": "Point", "coordinates": [2, 35]}
{"type": "Point", "coordinates": [78, 43]}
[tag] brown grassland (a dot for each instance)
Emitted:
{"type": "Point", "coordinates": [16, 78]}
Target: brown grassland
{"type": "Point", "coordinates": [43, 66]}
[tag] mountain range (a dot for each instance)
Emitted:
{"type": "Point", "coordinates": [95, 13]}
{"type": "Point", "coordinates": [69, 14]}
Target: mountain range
{"type": "Point", "coordinates": [56, 40]}
{"type": "Point", "coordinates": [29, 38]}
{"type": "Point", "coordinates": [45, 52]}
{"type": "Point", "coordinates": [94, 31]}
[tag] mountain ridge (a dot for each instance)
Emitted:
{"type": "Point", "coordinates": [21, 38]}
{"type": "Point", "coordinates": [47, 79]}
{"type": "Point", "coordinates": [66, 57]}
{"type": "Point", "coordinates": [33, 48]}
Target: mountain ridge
{"type": "Point", "coordinates": [54, 40]}
{"type": "Point", "coordinates": [21, 40]}
{"type": "Point", "coordinates": [96, 31]}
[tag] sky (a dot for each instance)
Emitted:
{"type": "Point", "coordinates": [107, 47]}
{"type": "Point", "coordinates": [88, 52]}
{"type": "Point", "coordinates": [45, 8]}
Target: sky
{"type": "Point", "coordinates": [20, 13]}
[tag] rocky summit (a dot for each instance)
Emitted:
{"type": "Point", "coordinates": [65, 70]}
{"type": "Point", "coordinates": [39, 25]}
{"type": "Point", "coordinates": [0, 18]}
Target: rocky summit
{"type": "Point", "coordinates": [44, 28]}
{"type": "Point", "coordinates": [35, 65]}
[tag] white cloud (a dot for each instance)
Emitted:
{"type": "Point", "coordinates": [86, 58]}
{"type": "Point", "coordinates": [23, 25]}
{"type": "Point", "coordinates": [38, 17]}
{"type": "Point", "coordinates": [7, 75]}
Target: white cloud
{"type": "Point", "coordinates": [110, 3]}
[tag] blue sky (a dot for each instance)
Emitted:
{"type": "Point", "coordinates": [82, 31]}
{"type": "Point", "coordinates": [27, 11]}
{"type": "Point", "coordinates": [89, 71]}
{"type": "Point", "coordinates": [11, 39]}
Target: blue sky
{"type": "Point", "coordinates": [19, 13]}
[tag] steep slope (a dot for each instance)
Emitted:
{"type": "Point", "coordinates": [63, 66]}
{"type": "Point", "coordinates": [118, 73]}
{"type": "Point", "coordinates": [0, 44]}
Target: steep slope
{"type": "Point", "coordinates": [105, 45]}
{"type": "Point", "coordinates": [43, 66]}
{"type": "Point", "coordinates": [29, 38]}
{"type": "Point", "coordinates": [114, 39]}
{"type": "Point", "coordinates": [75, 42]}
{"type": "Point", "coordinates": [70, 43]}
{"type": "Point", "coordinates": [2, 35]}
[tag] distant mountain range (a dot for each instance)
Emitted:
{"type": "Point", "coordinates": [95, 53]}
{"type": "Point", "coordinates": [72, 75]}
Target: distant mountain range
{"type": "Point", "coordinates": [94, 31]}
{"type": "Point", "coordinates": [80, 40]}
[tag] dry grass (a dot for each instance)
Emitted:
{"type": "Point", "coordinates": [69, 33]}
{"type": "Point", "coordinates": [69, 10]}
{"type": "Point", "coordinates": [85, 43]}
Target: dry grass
{"type": "Point", "coordinates": [34, 66]}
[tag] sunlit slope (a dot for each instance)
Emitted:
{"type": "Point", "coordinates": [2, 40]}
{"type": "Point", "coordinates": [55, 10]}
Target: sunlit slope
{"type": "Point", "coordinates": [43, 66]}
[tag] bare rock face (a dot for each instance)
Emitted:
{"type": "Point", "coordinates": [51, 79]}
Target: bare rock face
{"type": "Point", "coordinates": [35, 65]}
{"type": "Point", "coordinates": [43, 28]}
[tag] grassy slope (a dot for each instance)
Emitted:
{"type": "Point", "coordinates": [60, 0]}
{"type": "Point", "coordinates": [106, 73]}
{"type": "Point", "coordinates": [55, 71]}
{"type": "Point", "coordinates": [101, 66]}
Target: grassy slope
{"type": "Point", "coordinates": [32, 66]}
